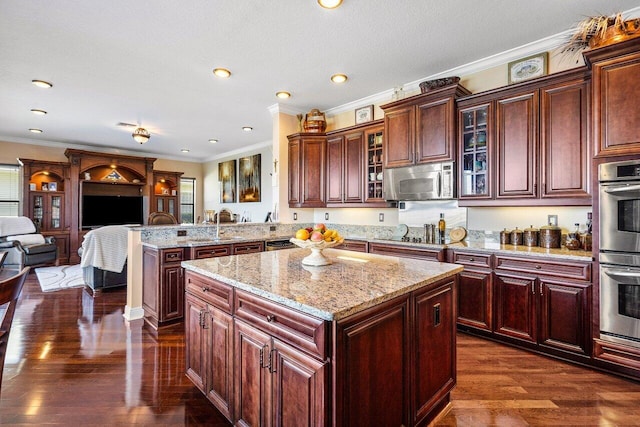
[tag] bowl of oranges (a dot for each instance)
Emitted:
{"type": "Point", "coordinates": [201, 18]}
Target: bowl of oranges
{"type": "Point", "coordinates": [316, 239]}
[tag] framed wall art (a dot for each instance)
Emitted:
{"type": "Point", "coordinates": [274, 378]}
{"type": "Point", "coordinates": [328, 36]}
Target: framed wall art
{"type": "Point", "coordinates": [528, 68]}
{"type": "Point", "coordinates": [364, 114]}
{"type": "Point", "coordinates": [227, 178]}
{"type": "Point", "coordinates": [249, 178]}
{"type": "Point", "coordinates": [53, 186]}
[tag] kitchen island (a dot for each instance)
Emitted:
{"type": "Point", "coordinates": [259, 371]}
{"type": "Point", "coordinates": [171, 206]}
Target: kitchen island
{"type": "Point", "coordinates": [367, 340]}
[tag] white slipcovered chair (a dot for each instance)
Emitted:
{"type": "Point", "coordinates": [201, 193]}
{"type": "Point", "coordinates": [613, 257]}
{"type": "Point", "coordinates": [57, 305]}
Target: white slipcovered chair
{"type": "Point", "coordinates": [19, 237]}
{"type": "Point", "coordinates": [103, 257]}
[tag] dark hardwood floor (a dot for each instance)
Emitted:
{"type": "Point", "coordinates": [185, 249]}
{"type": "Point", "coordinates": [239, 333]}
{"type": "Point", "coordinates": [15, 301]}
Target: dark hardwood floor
{"type": "Point", "coordinates": [73, 360]}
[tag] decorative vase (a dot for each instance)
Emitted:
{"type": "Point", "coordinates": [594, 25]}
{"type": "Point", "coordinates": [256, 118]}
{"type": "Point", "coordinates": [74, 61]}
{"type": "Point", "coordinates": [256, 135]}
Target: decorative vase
{"type": "Point", "coordinates": [314, 121]}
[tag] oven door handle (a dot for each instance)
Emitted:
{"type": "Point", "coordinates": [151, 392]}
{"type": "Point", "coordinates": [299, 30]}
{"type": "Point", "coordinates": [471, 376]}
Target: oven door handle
{"type": "Point", "coordinates": [619, 274]}
{"type": "Point", "coordinates": [622, 189]}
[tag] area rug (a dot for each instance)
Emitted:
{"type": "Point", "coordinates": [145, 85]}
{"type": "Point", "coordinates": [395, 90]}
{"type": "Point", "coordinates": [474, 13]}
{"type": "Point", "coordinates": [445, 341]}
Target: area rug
{"type": "Point", "coordinates": [62, 277]}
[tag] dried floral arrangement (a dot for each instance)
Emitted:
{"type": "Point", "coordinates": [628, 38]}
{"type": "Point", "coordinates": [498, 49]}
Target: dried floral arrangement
{"type": "Point", "coordinates": [594, 31]}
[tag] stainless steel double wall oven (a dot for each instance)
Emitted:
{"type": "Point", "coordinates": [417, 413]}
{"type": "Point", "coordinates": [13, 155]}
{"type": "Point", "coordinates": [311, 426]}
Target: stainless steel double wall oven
{"type": "Point", "coordinates": [619, 197]}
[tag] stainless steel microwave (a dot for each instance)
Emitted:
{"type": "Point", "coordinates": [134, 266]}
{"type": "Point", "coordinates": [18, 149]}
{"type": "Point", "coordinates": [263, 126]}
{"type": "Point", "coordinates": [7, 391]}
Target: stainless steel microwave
{"type": "Point", "coordinates": [431, 181]}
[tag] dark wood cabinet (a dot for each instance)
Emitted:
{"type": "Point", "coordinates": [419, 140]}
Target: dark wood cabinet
{"type": "Point", "coordinates": [407, 251]}
{"type": "Point", "coordinates": [545, 303]}
{"type": "Point", "coordinates": [527, 143]}
{"type": "Point", "coordinates": [163, 286]}
{"type": "Point", "coordinates": [166, 193]}
{"type": "Point", "coordinates": [345, 168]}
{"type": "Point", "coordinates": [421, 129]}
{"type": "Point", "coordinates": [201, 252]}
{"type": "Point", "coordinates": [307, 157]}
{"type": "Point", "coordinates": [475, 290]}
{"type": "Point", "coordinates": [354, 245]}
{"type": "Point", "coordinates": [247, 247]}
{"type": "Point", "coordinates": [616, 89]}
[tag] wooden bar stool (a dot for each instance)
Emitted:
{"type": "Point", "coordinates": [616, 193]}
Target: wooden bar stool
{"type": "Point", "coordinates": [9, 292]}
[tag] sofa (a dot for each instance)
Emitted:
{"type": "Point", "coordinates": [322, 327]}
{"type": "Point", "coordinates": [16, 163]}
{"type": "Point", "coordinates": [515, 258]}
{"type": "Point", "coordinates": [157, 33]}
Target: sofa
{"type": "Point", "coordinates": [103, 257]}
{"type": "Point", "coordinates": [24, 245]}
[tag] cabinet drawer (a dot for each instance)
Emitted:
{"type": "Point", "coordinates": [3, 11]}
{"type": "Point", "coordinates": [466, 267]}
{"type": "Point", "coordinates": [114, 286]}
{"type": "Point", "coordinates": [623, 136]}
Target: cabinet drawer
{"type": "Point", "coordinates": [216, 293]}
{"type": "Point", "coordinates": [300, 330]}
{"type": "Point", "coordinates": [566, 269]}
{"type": "Point", "coordinates": [472, 259]}
{"type": "Point", "coordinates": [407, 252]}
{"type": "Point", "coordinates": [248, 248]}
{"type": "Point", "coordinates": [353, 245]}
{"type": "Point", "coordinates": [210, 251]}
{"type": "Point", "coordinates": [172, 255]}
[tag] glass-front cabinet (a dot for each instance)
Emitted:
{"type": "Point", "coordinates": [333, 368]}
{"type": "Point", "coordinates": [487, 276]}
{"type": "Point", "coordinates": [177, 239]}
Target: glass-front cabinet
{"type": "Point", "coordinates": [166, 193]}
{"type": "Point", "coordinates": [475, 180]}
{"type": "Point", "coordinates": [47, 211]}
{"type": "Point", "coordinates": [373, 139]}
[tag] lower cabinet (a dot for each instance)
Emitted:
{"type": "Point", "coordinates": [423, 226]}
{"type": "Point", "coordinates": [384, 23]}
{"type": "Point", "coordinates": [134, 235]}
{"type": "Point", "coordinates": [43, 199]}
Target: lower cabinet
{"type": "Point", "coordinates": [475, 292]}
{"type": "Point", "coordinates": [162, 286]}
{"type": "Point", "coordinates": [407, 251]}
{"type": "Point", "coordinates": [264, 364]}
{"type": "Point", "coordinates": [544, 303]}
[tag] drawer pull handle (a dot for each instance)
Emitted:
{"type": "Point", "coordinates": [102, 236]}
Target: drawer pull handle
{"type": "Point", "coordinates": [472, 259]}
{"type": "Point", "coordinates": [538, 267]}
{"type": "Point", "coordinates": [270, 318]}
{"type": "Point", "coordinates": [205, 289]}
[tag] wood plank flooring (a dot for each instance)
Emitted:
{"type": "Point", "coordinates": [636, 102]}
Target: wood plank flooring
{"type": "Point", "coordinates": [73, 360]}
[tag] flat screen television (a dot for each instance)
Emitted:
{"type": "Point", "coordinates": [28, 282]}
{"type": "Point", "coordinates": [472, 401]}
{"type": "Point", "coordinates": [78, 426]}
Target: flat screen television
{"type": "Point", "coordinates": [111, 210]}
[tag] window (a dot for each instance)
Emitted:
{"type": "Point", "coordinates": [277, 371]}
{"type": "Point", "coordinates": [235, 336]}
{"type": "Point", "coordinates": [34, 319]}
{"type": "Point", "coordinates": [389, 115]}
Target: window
{"type": "Point", "coordinates": [187, 199]}
{"type": "Point", "coordinates": [9, 190]}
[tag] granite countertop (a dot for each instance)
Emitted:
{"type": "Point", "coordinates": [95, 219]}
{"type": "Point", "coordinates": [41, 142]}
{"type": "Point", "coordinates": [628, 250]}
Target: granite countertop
{"type": "Point", "coordinates": [355, 281]}
{"type": "Point", "coordinates": [190, 242]}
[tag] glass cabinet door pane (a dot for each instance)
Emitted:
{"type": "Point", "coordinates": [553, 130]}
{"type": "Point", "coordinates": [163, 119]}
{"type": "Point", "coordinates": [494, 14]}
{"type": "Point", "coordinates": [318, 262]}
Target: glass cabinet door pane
{"type": "Point", "coordinates": [56, 203]}
{"type": "Point", "coordinates": [171, 204]}
{"type": "Point", "coordinates": [160, 205]}
{"type": "Point", "coordinates": [38, 210]}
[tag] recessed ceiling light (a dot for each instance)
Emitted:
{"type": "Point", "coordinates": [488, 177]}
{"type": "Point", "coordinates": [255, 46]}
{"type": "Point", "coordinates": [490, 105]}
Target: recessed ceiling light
{"type": "Point", "coordinates": [283, 95]}
{"type": "Point", "coordinates": [339, 78]}
{"type": "Point", "coordinates": [38, 112]}
{"type": "Point", "coordinates": [185, 150]}
{"type": "Point", "coordinates": [329, 4]}
{"type": "Point", "coordinates": [42, 84]}
{"type": "Point", "coordinates": [213, 141]}
{"type": "Point", "coordinates": [247, 128]}
{"type": "Point", "coordinates": [35, 130]}
{"type": "Point", "coordinates": [222, 73]}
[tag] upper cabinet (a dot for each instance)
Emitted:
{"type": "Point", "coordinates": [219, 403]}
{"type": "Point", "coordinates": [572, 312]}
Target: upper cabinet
{"type": "Point", "coordinates": [526, 142]}
{"type": "Point", "coordinates": [307, 156]}
{"type": "Point", "coordinates": [616, 90]}
{"type": "Point", "coordinates": [421, 129]}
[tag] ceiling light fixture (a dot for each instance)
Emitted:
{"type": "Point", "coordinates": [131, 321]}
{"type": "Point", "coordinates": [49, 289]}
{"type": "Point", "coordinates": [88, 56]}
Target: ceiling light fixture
{"type": "Point", "coordinates": [34, 130]}
{"type": "Point", "coordinates": [213, 141]}
{"type": "Point", "coordinates": [185, 150]}
{"type": "Point", "coordinates": [329, 4]}
{"type": "Point", "coordinates": [223, 73]}
{"type": "Point", "coordinates": [38, 112]}
{"type": "Point", "coordinates": [247, 128]}
{"type": "Point", "coordinates": [42, 84]}
{"type": "Point", "coordinates": [339, 78]}
{"type": "Point", "coordinates": [141, 135]}
{"type": "Point", "coordinates": [283, 95]}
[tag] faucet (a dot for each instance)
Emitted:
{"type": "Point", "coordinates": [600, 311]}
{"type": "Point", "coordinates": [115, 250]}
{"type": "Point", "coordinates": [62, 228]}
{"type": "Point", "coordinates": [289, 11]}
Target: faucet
{"type": "Point", "coordinates": [218, 226]}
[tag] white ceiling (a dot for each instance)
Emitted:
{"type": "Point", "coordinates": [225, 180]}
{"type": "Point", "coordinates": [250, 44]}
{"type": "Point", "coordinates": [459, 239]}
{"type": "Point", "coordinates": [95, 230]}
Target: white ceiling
{"type": "Point", "coordinates": [149, 62]}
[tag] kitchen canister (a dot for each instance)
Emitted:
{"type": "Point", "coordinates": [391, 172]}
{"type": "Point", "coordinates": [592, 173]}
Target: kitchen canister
{"type": "Point", "coordinates": [516, 237]}
{"type": "Point", "coordinates": [530, 236]}
{"type": "Point", "coordinates": [549, 236]}
{"type": "Point", "coordinates": [505, 237]}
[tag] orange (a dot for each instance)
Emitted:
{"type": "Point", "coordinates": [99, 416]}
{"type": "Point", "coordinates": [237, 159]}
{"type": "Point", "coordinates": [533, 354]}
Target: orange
{"type": "Point", "coordinates": [302, 234]}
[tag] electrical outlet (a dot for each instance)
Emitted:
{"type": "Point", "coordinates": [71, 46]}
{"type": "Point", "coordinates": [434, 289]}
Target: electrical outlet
{"type": "Point", "coordinates": [381, 217]}
{"type": "Point", "coordinates": [552, 220]}
{"type": "Point", "coordinates": [182, 233]}
{"type": "Point", "coordinates": [272, 228]}
{"type": "Point", "coordinates": [295, 216]}
{"type": "Point", "coordinates": [326, 216]}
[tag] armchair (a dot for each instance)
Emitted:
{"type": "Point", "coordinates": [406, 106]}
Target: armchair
{"type": "Point", "coordinates": [23, 244]}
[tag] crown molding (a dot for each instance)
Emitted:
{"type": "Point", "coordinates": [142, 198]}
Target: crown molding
{"type": "Point", "coordinates": [239, 151]}
{"type": "Point", "coordinates": [286, 109]}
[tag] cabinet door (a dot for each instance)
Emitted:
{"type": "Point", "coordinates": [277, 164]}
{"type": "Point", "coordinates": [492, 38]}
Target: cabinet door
{"type": "Point", "coordinates": [253, 381]}
{"type": "Point", "coordinates": [435, 131]}
{"type": "Point", "coordinates": [353, 168]}
{"type": "Point", "coordinates": [565, 153]}
{"type": "Point", "coordinates": [474, 299]}
{"type": "Point", "coordinates": [398, 144]}
{"type": "Point", "coordinates": [294, 172]}
{"type": "Point", "coordinates": [299, 389]}
{"type": "Point", "coordinates": [374, 158]}
{"type": "Point", "coordinates": [564, 316]}
{"type": "Point", "coordinates": [313, 169]}
{"type": "Point", "coordinates": [172, 293]}
{"type": "Point", "coordinates": [335, 169]}
{"type": "Point", "coordinates": [434, 371]}
{"type": "Point", "coordinates": [476, 152]}
{"type": "Point", "coordinates": [195, 341]}
{"type": "Point", "coordinates": [515, 307]}
{"type": "Point", "coordinates": [56, 213]}
{"type": "Point", "coordinates": [219, 385]}
{"type": "Point", "coordinates": [516, 141]}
